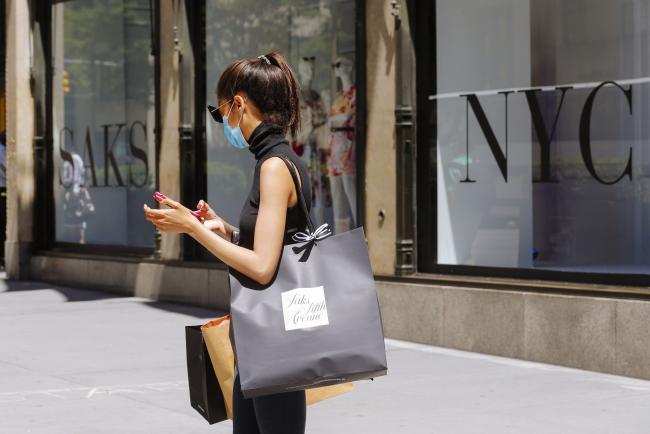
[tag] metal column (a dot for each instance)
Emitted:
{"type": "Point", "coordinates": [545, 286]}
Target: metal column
{"type": "Point", "coordinates": [405, 146]}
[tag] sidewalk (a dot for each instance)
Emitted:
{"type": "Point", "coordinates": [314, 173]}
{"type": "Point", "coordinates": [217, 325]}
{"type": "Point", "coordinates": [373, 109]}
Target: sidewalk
{"type": "Point", "coordinates": [76, 361]}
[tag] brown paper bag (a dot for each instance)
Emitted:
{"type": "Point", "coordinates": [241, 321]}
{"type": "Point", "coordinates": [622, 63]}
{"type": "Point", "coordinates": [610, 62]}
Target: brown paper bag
{"type": "Point", "coordinates": [215, 335]}
{"type": "Point", "coordinates": [217, 340]}
{"type": "Point", "coordinates": [317, 394]}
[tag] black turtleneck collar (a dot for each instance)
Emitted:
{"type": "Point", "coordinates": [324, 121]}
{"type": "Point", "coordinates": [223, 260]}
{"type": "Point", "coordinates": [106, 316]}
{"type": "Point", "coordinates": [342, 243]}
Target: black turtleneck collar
{"type": "Point", "coordinates": [264, 137]}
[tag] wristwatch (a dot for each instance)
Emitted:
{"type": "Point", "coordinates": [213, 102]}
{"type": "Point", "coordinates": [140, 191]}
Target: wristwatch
{"type": "Point", "coordinates": [235, 236]}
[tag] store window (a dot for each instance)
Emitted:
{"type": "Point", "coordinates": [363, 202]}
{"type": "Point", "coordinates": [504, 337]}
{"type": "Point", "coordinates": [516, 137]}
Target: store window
{"type": "Point", "coordinates": [318, 38]}
{"type": "Point", "coordinates": [103, 119]}
{"type": "Point", "coordinates": [543, 144]}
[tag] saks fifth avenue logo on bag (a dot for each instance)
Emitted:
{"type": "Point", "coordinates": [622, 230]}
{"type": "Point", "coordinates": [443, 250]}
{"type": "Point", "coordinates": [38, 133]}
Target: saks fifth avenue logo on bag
{"type": "Point", "coordinates": [304, 307]}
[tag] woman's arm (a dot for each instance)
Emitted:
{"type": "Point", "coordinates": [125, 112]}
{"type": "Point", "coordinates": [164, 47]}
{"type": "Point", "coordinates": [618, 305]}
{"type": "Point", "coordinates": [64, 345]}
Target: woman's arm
{"type": "Point", "coordinates": [260, 263]}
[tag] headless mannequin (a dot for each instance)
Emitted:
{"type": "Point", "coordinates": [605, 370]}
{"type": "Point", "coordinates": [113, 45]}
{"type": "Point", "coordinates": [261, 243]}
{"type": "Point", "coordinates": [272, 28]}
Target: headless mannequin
{"type": "Point", "coordinates": [341, 163]}
{"type": "Point", "coordinates": [313, 143]}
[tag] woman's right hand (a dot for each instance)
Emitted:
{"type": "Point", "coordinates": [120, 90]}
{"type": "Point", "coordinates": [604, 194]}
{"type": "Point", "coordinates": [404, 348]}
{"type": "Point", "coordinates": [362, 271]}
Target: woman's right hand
{"type": "Point", "coordinates": [211, 220]}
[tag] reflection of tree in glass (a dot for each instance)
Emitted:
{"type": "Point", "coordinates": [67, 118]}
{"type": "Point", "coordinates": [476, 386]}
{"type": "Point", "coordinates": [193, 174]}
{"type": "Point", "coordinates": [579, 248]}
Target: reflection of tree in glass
{"type": "Point", "coordinates": [95, 49]}
{"type": "Point", "coordinates": [106, 50]}
{"type": "Point", "coordinates": [229, 178]}
{"type": "Point", "coordinates": [242, 28]}
{"type": "Point", "coordinates": [236, 29]}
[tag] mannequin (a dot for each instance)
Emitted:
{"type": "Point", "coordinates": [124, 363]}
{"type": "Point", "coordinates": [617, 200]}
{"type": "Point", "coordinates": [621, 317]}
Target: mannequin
{"type": "Point", "coordinates": [77, 204]}
{"type": "Point", "coordinates": [299, 142]}
{"type": "Point", "coordinates": [312, 143]}
{"type": "Point", "coordinates": [341, 162]}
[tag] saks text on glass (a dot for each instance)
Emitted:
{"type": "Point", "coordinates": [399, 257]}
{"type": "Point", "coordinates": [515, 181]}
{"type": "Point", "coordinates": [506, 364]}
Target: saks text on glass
{"type": "Point", "coordinates": [111, 134]}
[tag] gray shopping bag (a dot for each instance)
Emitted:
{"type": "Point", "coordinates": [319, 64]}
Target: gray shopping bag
{"type": "Point", "coordinates": [317, 323]}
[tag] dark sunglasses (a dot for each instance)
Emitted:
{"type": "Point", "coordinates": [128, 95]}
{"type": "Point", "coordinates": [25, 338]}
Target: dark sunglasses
{"type": "Point", "coordinates": [336, 65]}
{"type": "Point", "coordinates": [214, 112]}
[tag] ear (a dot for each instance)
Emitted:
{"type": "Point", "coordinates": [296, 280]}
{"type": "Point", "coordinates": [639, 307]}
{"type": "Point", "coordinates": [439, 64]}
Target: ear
{"type": "Point", "coordinates": [239, 102]}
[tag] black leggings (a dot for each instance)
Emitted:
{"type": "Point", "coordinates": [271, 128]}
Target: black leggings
{"type": "Point", "coordinates": [279, 413]}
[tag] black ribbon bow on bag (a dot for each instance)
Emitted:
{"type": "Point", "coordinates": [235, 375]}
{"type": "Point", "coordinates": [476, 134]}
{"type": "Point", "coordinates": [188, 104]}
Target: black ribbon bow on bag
{"type": "Point", "coordinates": [309, 239]}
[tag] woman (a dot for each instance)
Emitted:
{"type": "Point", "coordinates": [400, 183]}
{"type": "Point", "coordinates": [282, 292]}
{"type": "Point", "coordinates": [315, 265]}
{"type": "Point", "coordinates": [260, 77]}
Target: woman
{"type": "Point", "coordinates": [258, 103]}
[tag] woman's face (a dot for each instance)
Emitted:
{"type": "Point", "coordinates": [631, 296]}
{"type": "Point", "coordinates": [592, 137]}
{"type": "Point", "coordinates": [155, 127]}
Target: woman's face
{"type": "Point", "coordinates": [240, 111]}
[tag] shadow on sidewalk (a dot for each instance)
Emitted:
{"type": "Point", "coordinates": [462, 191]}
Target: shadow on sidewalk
{"type": "Point", "coordinates": [71, 294]}
{"type": "Point", "coordinates": [185, 309]}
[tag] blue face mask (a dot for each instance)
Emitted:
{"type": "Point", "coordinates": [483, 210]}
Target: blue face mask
{"type": "Point", "coordinates": [234, 135]}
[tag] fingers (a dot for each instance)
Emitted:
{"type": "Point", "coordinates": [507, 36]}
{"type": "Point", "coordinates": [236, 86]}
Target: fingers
{"type": "Point", "coordinates": [161, 198]}
{"type": "Point", "coordinates": [170, 203]}
{"type": "Point", "coordinates": [153, 214]}
{"type": "Point", "coordinates": [159, 223]}
{"type": "Point", "coordinates": [156, 217]}
{"type": "Point", "coordinates": [203, 206]}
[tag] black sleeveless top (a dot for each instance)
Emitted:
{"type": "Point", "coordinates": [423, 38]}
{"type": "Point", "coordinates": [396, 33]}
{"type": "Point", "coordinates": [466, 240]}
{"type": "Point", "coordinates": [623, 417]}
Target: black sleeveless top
{"type": "Point", "coordinates": [267, 141]}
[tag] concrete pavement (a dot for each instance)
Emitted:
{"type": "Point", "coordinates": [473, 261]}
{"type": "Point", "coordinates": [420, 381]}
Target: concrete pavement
{"type": "Point", "coordinates": [80, 361]}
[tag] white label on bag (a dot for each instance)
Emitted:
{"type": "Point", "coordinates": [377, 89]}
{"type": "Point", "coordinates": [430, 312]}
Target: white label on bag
{"type": "Point", "coordinates": [304, 307]}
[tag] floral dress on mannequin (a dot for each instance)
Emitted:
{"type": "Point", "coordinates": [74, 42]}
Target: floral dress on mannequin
{"type": "Point", "coordinates": [312, 146]}
{"type": "Point", "coordinates": [341, 164]}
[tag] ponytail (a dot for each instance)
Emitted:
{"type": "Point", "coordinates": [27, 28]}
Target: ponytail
{"type": "Point", "coordinates": [270, 83]}
{"type": "Point", "coordinates": [293, 88]}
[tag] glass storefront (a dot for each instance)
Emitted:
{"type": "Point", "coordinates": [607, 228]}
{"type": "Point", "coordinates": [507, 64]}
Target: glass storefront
{"type": "Point", "coordinates": [542, 140]}
{"type": "Point", "coordinates": [103, 119]}
{"type": "Point", "coordinates": [318, 38]}
{"type": "Point", "coordinates": [532, 150]}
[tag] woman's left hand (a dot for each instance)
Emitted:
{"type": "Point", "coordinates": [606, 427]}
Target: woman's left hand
{"type": "Point", "coordinates": [176, 219]}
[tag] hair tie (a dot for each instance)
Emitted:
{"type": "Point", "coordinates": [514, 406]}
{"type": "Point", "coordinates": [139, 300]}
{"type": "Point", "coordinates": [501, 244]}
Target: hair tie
{"type": "Point", "coordinates": [265, 58]}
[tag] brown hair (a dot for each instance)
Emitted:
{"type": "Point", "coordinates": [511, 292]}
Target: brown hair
{"type": "Point", "coordinates": [272, 86]}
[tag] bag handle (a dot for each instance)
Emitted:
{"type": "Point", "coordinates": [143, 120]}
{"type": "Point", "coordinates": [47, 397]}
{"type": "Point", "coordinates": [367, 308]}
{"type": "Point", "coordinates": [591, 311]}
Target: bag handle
{"type": "Point", "coordinates": [301, 197]}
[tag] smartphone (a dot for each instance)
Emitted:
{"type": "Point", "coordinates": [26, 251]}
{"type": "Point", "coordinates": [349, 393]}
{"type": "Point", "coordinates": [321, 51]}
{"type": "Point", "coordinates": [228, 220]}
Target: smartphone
{"type": "Point", "coordinates": [158, 196]}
